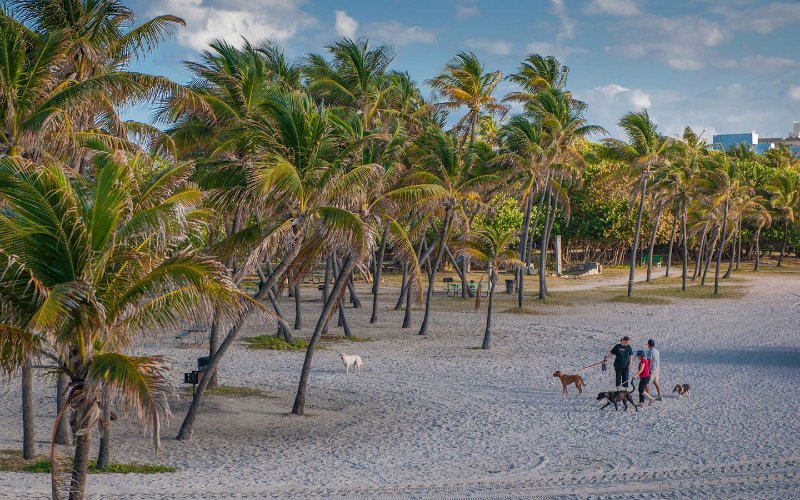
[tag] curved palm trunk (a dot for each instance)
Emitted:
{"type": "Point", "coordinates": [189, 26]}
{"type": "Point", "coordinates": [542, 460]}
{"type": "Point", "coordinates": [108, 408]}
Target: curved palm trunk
{"type": "Point", "coordinates": [543, 247]}
{"type": "Point", "coordinates": [783, 246]}
{"type": "Point", "coordinates": [487, 335]}
{"type": "Point", "coordinates": [700, 255]}
{"type": "Point", "coordinates": [407, 313]}
{"type": "Point", "coordinates": [104, 453]}
{"type": "Point", "coordinates": [529, 252]}
{"type": "Point", "coordinates": [264, 288]}
{"type": "Point", "coordinates": [28, 448]}
{"type": "Point", "coordinates": [671, 241]}
{"type": "Point", "coordinates": [325, 316]}
{"type": "Point", "coordinates": [712, 245]}
{"type": "Point", "coordinates": [376, 281]}
{"type": "Point", "coordinates": [758, 250]}
{"type": "Point", "coordinates": [403, 285]}
{"type": "Point", "coordinates": [353, 295]}
{"type": "Point", "coordinates": [739, 247]}
{"type": "Point", "coordinates": [326, 287]}
{"type": "Point", "coordinates": [423, 330]}
{"type": "Point", "coordinates": [62, 386]}
{"type": "Point", "coordinates": [298, 311]}
{"type": "Point", "coordinates": [523, 244]}
{"type": "Point", "coordinates": [340, 303]}
{"type": "Point", "coordinates": [652, 244]}
{"type": "Point", "coordinates": [80, 465]}
{"type": "Point", "coordinates": [636, 235]}
{"type": "Point", "coordinates": [733, 255]}
{"type": "Point", "coordinates": [685, 249]}
{"type": "Point", "coordinates": [721, 246]}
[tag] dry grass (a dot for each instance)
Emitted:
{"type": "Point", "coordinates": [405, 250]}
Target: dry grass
{"type": "Point", "coordinates": [12, 461]}
{"type": "Point", "coordinates": [271, 342]}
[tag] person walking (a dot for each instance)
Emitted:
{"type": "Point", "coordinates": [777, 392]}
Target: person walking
{"type": "Point", "coordinates": [654, 357]}
{"type": "Point", "coordinates": [623, 357]}
{"type": "Point", "coordinates": [644, 377]}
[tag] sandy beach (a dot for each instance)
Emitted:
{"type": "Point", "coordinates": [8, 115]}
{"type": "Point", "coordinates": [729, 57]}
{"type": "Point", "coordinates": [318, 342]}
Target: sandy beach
{"type": "Point", "coordinates": [433, 417]}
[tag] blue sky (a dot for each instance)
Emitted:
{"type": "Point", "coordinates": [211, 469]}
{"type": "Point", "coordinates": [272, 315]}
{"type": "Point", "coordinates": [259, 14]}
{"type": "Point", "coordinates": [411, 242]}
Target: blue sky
{"type": "Point", "coordinates": [721, 67]}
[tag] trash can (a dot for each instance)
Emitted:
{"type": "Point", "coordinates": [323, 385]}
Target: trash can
{"type": "Point", "coordinates": [509, 286]}
{"type": "Point", "coordinates": [203, 362]}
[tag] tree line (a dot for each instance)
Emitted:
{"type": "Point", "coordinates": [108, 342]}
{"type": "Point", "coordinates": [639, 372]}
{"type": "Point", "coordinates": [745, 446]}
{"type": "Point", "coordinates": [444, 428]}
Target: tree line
{"type": "Point", "coordinates": [264, 170]}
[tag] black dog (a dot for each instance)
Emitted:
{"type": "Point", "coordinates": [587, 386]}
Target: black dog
{"type": "Point", "coordinates": [615, 397]}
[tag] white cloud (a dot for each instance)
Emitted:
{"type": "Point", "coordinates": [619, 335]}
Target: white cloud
{"type": "Point", "coordinates": [794, 92]}
{"type": "Point", "coordinates": [684, 43]}
{"type": "Point", "coordinates": [762, 19]}
{"type": "Point", "coordinates": [399, 34]}
{"type": "Point", "coordinates": [499, 47]}
{"type": "Point", "coordinates": [277, 20]}
{"type": "Point", "coordinates": [567, 24]}
{"type": "Point", "coordinates": [345, 25]}
{"type": "Point", "coordinates": [615, 93]}
{"type": "Point", "coordinates": [559, 51]}
{"type": "Point", "coordinates": [613, 7]}
{"type": "Point", "coordinates": [466, 11]}
{"type": "Point", "coordinates": [639, 99]}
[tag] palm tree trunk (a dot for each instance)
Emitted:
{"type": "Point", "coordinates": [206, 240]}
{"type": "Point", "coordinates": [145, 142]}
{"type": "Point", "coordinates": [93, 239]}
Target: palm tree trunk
{"type": "Point", "coordinates": [652, 244]}
{"type": "Point", "coordinates": [636, 235]}
{"type": "Point", "coordinates": [685, 249]}
{"type": "Point", "coordinates": [671, 241]}
{"type": "Point", "coordinates": [712, 245]}
{"type": "Point", "coordinates": [403, 285]}
{"type": "Point", "coordinates": [529, 252]}
{"type": "Point", "coordinates": [188, 422]}
{"type": "Point", "coordinates": [783, 246]}
{"type": "Point", "coordinates": [543, 246]}
{"type": "Point", "coordinates": [487, 336]}
{"type": "Point", "coordinates": [758, 250]}
{"type": "Point", "coordinates": [340, 303]}
{"type": "Point", "coordinates": [376, 280]}
{"type": "Point", "coordinates": [700, 255]}
{"type": "Point", "coordinates": [423, 330]}
{"type": "Point", "coordinates": [466, 292]}
{"type": "Point", "coordinates": [28, 448]}
{"type": "Point", "coordinates": [327, 311]}
{"type": "Point", "coordinates": [104, 453]}
{"type": "Point", "coordinates": [213, 345]}
{"type": "Point", "coordinates": [325, 286]}
{"type": "Point", "coordinates": [523, 244]}
{"type": "Point", "coordinates": [62, 431]}
{"type": "Point", "coordinates": [733, 255]}
{"type": "Point", "coordinates": [298, 311]}
{"type": "Point", "coordinates": [80, 465]}
{"type": "Point", "coordinates": [721, 246]}
{"type": "Point", "coordinates": [283, 326]}
{"type": "Point", "coordinates": [739, 247]}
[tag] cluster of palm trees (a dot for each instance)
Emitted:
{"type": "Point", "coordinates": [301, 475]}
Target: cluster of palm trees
{"type": "Point", "coordinates": [265, 168]}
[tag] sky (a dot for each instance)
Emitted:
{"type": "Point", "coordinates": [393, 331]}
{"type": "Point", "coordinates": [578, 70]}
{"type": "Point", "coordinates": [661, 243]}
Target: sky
{"type": "Point", "coordinates": [718, 66]}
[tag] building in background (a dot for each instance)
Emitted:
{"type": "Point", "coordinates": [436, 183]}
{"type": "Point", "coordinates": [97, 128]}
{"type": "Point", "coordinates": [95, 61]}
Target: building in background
{"type": "Point", "coordinates": [760, 145]}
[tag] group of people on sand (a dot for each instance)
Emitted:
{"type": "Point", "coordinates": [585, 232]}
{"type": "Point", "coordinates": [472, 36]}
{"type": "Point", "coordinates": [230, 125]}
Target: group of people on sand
{"type": "Point", "coordinates": [647, 371]}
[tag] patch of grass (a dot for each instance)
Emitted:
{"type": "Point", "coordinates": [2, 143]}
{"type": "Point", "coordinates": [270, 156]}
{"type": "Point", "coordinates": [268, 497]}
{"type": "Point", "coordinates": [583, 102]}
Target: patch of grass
{"type": "Point", "coordinates": [234, 391]}
{"type": "Point", "coordinates": [12, 461]}
{"type": "Point", "coordinates": [640, 299]}
{"type": "Point", "coordinates": [342, 338]}
{"type": "Point", "coordinates": [523, 310]}
{"type": "Point", "coordinates": [274, 343]}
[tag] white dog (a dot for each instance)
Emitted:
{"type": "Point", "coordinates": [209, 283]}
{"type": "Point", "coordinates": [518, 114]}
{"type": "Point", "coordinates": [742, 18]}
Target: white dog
{"type": "Point", "coordinates": [352, 361]}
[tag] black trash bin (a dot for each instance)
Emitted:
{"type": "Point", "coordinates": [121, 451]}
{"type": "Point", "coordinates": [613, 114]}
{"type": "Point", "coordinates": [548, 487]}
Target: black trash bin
{"type": "Point", "coordinates": [203, 362]}
{"type": "Point", "coordinates": [509, 286]}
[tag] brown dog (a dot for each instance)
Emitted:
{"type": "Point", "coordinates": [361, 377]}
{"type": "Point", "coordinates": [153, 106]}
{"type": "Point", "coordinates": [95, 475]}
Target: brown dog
{"type": "Point", "coordinates": [682, 390]}
{"type": "Point", "coordinates": [570, 379]}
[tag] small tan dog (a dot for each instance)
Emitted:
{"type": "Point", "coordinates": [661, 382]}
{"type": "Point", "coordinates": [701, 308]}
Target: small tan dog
{"type": "Point", "coordinates": [682, 390]}
{"type": "Point", "coordinates": [570, 379]}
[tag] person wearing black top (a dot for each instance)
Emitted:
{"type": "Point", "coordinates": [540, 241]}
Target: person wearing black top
{"type": "Point", "coordinates": [623, 356]}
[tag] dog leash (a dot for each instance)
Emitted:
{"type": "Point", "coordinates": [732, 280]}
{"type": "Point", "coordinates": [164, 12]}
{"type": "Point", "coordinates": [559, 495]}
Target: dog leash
{"type": "Point", "coordinates": [601, 362]}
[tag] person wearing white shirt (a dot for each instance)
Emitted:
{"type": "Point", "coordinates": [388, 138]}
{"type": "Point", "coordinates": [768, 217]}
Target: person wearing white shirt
{"type": "Point", "coordinates": [654, 357]}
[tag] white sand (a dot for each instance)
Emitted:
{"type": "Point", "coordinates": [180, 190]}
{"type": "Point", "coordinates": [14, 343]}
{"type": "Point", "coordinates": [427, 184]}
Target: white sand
{"type": "Point", "coordinates": [430, 417]}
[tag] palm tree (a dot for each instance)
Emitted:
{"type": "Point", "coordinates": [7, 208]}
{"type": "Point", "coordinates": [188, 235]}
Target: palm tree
{"type": "Point", "coordinates": [103, 263]}
{"type": "Point", "coordinates": [463, 82]}
{"type": "Point", "coordinates": [442, 178]}
{"type": "Point", "coordinates": [644, 151]}
{"type": "Point", "coordinates": [720, 183]}
{"type": "Point", "coordinates": [71, 93]}
{"type": "Point", "coordinates": [491, 246]}
{"type": "Point", "coordinates": [784, 190]}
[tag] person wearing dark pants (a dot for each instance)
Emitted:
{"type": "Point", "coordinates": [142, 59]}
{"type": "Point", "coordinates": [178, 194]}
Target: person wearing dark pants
{"type": "Point", "coordinates": [623, 356]}
{"type": "Point", "coordinates": [644, 377]}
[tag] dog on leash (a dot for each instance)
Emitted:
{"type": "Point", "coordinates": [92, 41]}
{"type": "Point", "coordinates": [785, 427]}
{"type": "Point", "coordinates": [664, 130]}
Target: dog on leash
{"type": "Point", "coordinates": [352, 361]}
{"type": "Point", "coordinates": [570, 379]}
{"type": "Point", "coordinates": [615, 397]}
{"type": "Point", "coordinates": [682, 390]}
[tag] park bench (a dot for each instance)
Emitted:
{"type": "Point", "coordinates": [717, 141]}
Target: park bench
{"type": "Point", "coordinates": [196, 335]}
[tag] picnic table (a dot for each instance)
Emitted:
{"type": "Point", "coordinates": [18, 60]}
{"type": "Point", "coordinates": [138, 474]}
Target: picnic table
{"type": "Point", "coordinates": [185, 337]}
